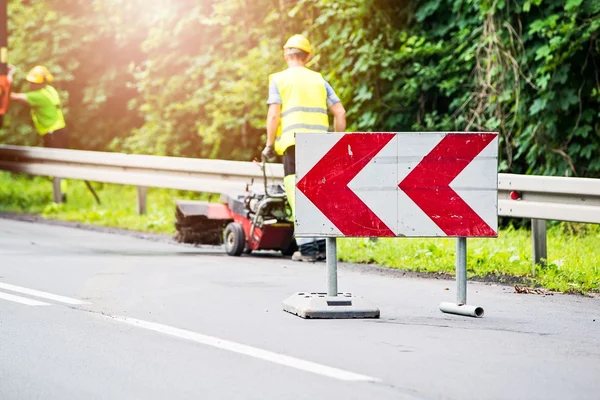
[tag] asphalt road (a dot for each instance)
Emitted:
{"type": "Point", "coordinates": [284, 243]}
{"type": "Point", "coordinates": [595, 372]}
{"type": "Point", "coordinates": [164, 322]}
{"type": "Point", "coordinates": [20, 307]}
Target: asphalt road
{"type": "Point", "coordinates": [103, 316]}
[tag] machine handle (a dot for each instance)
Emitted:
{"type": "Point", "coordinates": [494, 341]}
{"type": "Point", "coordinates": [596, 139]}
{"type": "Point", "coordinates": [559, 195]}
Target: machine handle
{"type": "Point", "coordinates": [264, 170]}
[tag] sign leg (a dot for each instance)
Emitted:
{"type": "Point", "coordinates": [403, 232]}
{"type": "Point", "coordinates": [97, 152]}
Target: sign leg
{"type": "Point", "coordinates": [332, 284]}
{"type": "Point", "coordinates": [331, 304]}
{"type": "Point", "coordinates": [461, 307]}
{"type": "Point", "coordinates": [461, 271]}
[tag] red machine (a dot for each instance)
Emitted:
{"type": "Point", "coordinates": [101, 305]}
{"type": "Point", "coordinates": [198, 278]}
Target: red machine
{"type": "Point", "coordinates": [257, 219]}
{"type": "Point", "coordinates": [5, 81]}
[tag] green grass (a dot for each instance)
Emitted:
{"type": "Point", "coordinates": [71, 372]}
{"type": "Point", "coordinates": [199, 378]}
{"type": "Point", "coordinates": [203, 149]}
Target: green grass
{"type": "Point", "coordinates": [573, 257]}
{"type": "Point", "coordinates": [573, 249]}
{"type": "Point", "coordinates": [118, 208]}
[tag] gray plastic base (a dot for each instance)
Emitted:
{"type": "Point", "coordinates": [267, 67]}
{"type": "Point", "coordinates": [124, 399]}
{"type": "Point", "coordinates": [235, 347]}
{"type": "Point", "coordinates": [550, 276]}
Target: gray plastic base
{"type": "Point", "coordinates": [322, 306]}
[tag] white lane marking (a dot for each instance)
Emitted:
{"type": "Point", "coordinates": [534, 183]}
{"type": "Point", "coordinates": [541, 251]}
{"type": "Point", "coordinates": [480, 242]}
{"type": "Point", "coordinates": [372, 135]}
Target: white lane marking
{"type": "Point", "coordinates": [247, 350]}
{"type": "Point", "coordinates": [44, 295]}
{"type": "Point", "coordinates": [22, 300]}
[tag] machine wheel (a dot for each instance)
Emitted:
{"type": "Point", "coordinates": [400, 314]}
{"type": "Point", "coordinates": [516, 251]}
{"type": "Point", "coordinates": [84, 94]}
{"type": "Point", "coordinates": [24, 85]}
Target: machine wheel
{"type": "Point", "coordinates": [235, 239]}
{"type": "Point", "coordinates": [292, 248]}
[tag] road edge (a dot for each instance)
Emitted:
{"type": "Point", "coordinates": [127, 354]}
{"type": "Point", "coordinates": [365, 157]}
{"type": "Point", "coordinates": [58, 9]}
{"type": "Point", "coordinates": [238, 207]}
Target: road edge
{"type": "Point", "coordinates": [372, 269]}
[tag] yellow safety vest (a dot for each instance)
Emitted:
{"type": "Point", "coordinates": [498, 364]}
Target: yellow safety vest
{"type": "Point", "coordinates": [53, 112]}
{"type": "Point", "coordinates": [304, 105]}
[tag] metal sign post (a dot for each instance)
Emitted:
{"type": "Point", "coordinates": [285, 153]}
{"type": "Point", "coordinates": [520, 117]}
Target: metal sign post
{"type": "Point", "coordinates": [330, 304]}
{"type": "Point", "coordinates": [461, 307]}
{"type": "Point", "coordinates": [415, 184]}
{"type": "Point", "coordinates": [332, 284]}
{"type": "Point", "coordinates": [5, 80]}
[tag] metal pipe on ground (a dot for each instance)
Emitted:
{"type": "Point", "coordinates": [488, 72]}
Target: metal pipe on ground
{"type": "Point", "coordinates": [469, 311]}
{"type": "Point", "coordinates": [461, 307]}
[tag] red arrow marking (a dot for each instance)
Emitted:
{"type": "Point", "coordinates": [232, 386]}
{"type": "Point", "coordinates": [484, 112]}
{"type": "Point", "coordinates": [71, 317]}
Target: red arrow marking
{"type": "Point", "coordinates": [326, 185]}
{"type": "Point", "coordinates": [428, 185]}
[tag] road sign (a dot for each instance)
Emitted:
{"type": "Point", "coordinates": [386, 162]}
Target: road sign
{"type": "Point", "coordinates": [397, 184]}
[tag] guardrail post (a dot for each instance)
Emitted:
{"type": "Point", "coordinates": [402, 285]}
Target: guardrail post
{"type": "Point", "coordinates": [538, 236]}
{"type": "Point", "coordinates": [56, 192]}
{"type": "Point", "coordinates": [141, 198]}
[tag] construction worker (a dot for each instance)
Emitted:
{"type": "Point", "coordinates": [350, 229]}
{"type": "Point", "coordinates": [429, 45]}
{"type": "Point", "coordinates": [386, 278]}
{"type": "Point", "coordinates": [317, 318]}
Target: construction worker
{"type": "Point", "coordinates": [45, 106]}
{"type": "Point", "coordinates": [298, 102]}
{"type": "Point", "coordinates": [46, 111]}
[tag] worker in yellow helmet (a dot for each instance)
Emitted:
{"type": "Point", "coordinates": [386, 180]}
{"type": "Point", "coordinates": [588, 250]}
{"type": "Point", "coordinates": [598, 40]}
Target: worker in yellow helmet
{"type": "Point", "coordinates": [46, 111]}
{"type": "Point", "coordinates": [45, 106]}
{"type": "Point", "coordinates": [298, 102]}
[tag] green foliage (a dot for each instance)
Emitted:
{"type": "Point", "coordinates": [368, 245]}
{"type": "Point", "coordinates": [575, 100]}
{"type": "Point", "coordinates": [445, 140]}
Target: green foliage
{"type": "Point", "coordinates": [203, 87]}
{"type": "Point", "coordinates": [88, 55]}
{"type": "Point", "coordinates": [189, 78]}
{"type": "Point", "coordinates": [525, 69]}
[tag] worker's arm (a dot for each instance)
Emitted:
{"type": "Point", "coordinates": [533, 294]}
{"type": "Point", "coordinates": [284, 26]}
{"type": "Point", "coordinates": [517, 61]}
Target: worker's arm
{"type": "Point", "coordinates": [273, 117]}
{"type": "Point", "coordinates": [337, 109]}
{"type": "Point", "coordinates": [339, 117]}
{"type": "Point", "coordinates": [22, 97]}
{"type": "Point", "coordinates": [15, 96]}
{"type": "Point", "coordinates": [19, 97]}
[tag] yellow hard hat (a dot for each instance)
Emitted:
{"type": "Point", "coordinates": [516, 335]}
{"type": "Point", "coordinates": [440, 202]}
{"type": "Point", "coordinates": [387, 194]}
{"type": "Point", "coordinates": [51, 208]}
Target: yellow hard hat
{"type": "Point", "coordinates": [39, 74]}
{"type": "Point", "coordinates": [298, 42]}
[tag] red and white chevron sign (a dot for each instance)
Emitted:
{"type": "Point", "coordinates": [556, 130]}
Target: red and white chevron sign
{"type": "Point", "coordinates": [397, 184]}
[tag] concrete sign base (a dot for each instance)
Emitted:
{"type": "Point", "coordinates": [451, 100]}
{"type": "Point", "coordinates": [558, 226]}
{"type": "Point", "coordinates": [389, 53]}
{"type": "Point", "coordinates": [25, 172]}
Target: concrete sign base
{"type": "Point", "coordinates": [321, 306]}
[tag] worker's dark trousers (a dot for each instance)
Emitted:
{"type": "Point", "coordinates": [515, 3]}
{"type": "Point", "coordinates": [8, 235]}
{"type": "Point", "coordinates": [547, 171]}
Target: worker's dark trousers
{"type": "Point", "coordinates": [307, 246]}
{"type": "Point", "coordinates": [58, 139]}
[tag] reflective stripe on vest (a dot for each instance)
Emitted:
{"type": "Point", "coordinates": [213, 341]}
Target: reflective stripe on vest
{"type": "Point", "coordinates": [304, 109]}
{"type": "Point", "coordinates": [304, 105]}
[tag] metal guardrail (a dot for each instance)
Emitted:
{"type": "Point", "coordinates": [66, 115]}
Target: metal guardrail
{"type": "Point", "coordinates": [542, 198]}
{"type": "Point", "coordinates": [549, 198]}
{"type": "Point", "coordinates": [212, 176]}
{"type": "Point", "coordinates": [539, 198]}
{"type": "Point", "coordinates": [200, 175]}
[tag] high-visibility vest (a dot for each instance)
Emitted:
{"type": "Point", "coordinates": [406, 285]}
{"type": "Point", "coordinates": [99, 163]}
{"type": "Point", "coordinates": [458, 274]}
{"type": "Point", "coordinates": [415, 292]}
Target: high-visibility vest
{"type": "Point", "coordinates": [59, 122]}
{"type": "Point", "coordinates": [304, 105]}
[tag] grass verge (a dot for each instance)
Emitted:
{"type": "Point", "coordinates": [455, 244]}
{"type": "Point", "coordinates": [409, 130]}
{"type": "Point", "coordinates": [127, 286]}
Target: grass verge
{"type": "Point", "coordinates": [573, 249]}
{"type": "Point", "coordinates": [118, 208]}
